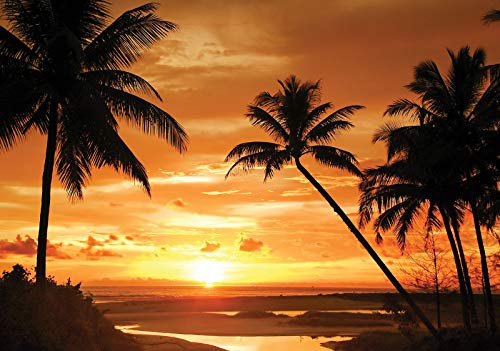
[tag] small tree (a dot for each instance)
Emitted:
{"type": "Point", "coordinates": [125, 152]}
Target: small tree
{"type": "Point", "coordinates": [427, 268]}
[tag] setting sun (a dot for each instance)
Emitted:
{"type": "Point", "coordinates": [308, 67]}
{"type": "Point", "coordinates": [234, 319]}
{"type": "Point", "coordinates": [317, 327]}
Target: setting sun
{"type": "Point", "coordinates": [208, 272]}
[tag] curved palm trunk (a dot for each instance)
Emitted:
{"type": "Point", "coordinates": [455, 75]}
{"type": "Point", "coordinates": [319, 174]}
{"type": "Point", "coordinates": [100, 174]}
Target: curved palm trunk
{"type": "Point", "coordinates": [490, 307]}
{"type": "Point", "coordinates": [460, 273]}
{"type": "Point", "coordinates": [465, 269]}
{"type": "Point", "coordinates": [41, 253]}
{"type": "Point", "coordinates": [368, 248]}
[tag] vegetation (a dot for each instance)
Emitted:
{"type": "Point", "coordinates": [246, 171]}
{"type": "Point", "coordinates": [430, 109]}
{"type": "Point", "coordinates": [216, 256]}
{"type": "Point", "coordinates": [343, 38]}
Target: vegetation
{"type": "Point", "coordinates": [446, 163]}
{"type": "Point", "coordinates": [427, 269]}
{"type": "Point", "coordinates": [294, 118]}
{"type": "Point", "coordinates": [491, 16]}
{"type": "Point", "coordinates": [62, 66]}
{"type": "Point", "coordinates": [67, 320]}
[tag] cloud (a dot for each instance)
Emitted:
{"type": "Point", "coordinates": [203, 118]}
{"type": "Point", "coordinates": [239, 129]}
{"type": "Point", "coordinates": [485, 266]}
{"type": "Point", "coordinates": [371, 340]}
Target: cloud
{"type": "Point", "coordinates": [216, 193]}
{"type": "Point", "coordinates": [210, 247]}
{"type": "Point", "coordinates": [18, 246]}
{"type": "Point", "coordinates": [296, 192]}
{"type": "Point", "coordinates": [28, 247]}
{"type": "Point", "coordinates": [250, 244]}
{"type": "Point", "coordinates": [178, 203]}
{"type": "Point", "coordinates": [94, 253]}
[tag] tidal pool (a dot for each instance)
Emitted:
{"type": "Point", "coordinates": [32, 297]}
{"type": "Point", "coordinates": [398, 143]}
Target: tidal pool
{"type": "Point", "coordinates": [248, 343]}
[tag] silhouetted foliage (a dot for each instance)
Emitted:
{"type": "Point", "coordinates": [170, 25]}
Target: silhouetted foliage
{"type": "Point", "coordinates": [445, 163]}
{"type": "Point", "coordinates": [300, 125]}
{"type": "Point", "coordinates": [67, 320]}
{"type": "Point", "coordinates": [491, 16]}
{"type": "Point", "coordinates": [62, 70]}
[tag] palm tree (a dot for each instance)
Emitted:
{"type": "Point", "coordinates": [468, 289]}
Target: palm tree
{"type": "Point", "coordinates": [491, 16]}
{"type": "Point", "coordinates": [460, 114]}
{"type": "Point", "coordinates": [404, 195]}
{"type": "Point", "coordinates": [62, 73]}
{"type": "Point", "coordinates": [296, 121]}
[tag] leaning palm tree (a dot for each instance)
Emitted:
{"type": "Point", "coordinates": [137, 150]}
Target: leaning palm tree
{"type": "Point", "coordinates": [300, 125]}
{"type": "Point", "coordinates": [62, 68]}
{"type": "Point", "coordinates": [491, 16]}
{"type": "Point", "coordinates": [460, 114]}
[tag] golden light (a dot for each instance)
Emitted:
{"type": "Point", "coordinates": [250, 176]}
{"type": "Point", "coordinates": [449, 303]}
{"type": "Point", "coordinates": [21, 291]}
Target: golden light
{"type": "Point", "coordinates": [208, 272]}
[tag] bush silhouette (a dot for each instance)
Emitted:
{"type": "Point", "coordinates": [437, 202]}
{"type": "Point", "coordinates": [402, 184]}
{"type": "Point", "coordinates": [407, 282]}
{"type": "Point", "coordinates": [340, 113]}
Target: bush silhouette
{"type": "Point", "coordinates": [59, 317]}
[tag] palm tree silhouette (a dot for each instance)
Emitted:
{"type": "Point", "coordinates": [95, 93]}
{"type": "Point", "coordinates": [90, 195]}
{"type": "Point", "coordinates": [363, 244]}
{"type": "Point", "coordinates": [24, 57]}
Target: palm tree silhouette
{"type": "Point", "coordinates": [296, 121]}
{"type": "Point", "coordinates": [491, 16]}
{"type": "Point", "coordinates": [455, 145]}
{"type": "Point", "coordinates": [62, 75]}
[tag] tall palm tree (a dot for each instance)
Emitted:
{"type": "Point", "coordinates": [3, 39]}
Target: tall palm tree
{"type": "Point", "coordinates": [491, 16]}
{"type": "Point", "coordinates": [461, 114]}
{"type": "Point", "coordinates": [404, 196]}
{"type": "Point", "coordinates": [62, 68]}
{"type": "Point", "coordinates": [299, 125]}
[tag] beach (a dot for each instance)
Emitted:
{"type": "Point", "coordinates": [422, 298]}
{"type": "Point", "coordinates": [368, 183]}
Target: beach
{"type": "Point", "coordinates": [252, 317]}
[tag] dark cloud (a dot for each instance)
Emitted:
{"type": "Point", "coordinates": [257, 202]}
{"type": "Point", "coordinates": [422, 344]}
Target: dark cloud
{"type": "Point", "coordinates": [210, 247]}
{"type": "Point", "coordinates": [250, 244]}
{"type": "Point", "coordinates": [28, 247]}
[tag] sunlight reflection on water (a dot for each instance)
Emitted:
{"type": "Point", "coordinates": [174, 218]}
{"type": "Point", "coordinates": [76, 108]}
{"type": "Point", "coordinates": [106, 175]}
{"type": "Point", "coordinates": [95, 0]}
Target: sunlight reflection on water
{"type": "Point", "coordinates": [248, 343]}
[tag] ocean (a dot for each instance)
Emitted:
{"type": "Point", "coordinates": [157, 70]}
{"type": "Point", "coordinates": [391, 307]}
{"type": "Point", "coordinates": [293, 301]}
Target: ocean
{"type": "Point", "coordinates": [103, 294]}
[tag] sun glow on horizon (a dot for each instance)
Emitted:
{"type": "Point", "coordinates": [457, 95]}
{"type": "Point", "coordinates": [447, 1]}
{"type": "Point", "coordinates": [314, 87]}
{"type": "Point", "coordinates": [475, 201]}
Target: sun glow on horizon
{"type": "Point", "coordinates": [208, 272]}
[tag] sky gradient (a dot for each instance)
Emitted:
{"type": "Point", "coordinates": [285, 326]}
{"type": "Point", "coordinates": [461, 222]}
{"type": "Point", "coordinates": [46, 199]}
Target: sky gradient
{"type": "Point", "coordinates": [246, 231]}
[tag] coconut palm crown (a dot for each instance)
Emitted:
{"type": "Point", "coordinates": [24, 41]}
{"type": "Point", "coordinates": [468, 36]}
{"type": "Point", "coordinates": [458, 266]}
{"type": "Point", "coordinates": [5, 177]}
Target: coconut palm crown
{"type": "Point", "coordinates": [299, 125]}
{"type": "Point", "coordinates": [62, 69]}
{"type": "Point", "coordinates": [295, 119]}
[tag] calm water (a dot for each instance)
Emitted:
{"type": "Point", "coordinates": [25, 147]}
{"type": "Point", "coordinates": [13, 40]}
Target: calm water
{"type": "Point", "coordinates": [136, 293]}
{"type": "Point", "coordinates": [249, 343]}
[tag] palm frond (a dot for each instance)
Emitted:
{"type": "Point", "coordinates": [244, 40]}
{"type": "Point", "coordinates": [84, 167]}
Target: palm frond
{"type": "Point", "coordinates": [263, 119]}
{"type": "Point", "coordinates": [491, 16]}
{"type": "Point", "coordinates": [410, 109]}
{"type": "Point", "coordinates": [251, 148]}
{"type": "Point", "coordinates": [84, 18]}
{"type": "Point", "coordinates": [326, 130]}
{"type": "Point", "coordinates": [121, 80]}
{"type": "Point", "coordinates": [337, 158]}
{"type": "Point", "coordinates": [27, 21]}
{"type": "Point", "coordinates": [13, 47]}
{"type": "Point", "coordinates": [123, 42]}
{"type": "Point", "coordinates": [267, 159]}
{"type": "Point", "coordinates": [143, 114]}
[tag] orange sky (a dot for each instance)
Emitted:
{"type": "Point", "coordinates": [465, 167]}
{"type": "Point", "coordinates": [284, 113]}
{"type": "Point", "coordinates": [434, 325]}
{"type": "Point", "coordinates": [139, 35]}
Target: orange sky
{"type": "Point", "coordinates": [225, 54]}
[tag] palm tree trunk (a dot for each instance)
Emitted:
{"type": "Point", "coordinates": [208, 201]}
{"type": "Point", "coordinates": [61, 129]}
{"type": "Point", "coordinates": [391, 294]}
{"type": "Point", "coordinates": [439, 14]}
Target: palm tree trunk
{"type": "Point", "coordinates": [420, 314]}
{"type": "Point", "coordinates": [460, 273]}
{"type": "Point", "coordinates": [438, 304]}
{"type": "Point", "coordinates": [463, 261]}
{"type": "Point", "coordinates": [41, 253]}
{"type": "Point", "coordinates": [484, 268]}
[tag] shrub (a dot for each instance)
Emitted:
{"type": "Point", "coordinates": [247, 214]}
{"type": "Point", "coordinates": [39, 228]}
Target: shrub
{"type": "Point", "coordinates": [58, 317]}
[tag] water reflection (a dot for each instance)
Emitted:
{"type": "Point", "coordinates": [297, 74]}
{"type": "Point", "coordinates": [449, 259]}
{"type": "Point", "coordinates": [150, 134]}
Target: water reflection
{"type": "Point", "coordinates": [298, 313]}
{"type": "Point", "coordinates": [248, 343]}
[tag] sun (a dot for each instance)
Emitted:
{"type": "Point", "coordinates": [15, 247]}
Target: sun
{"type": "Point", "coordinates": [208, 272]}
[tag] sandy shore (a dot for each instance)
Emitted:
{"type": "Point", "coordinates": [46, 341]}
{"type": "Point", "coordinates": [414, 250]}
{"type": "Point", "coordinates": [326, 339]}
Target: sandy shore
{"type": "Point", "coordinates": [196, 316]}
{"type": "Point", "coordinates": [165, 343]}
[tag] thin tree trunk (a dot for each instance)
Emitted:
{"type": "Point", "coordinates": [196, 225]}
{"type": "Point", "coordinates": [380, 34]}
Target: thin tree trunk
{"type": "Point", "coordinates": [438, 304]}
{"type": "Point", "coordinates": [484, 268]}
{"type": "Point", "coordinates": [41, 253]}
{"type": "Point", "coordinates": [436, 281]}
{"type": "Point", "coordinates": [463, 261]}
{"type": "Point", "coordinates": [460, 273]}
{"type": "Point", "coordinates": [420, 314]}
